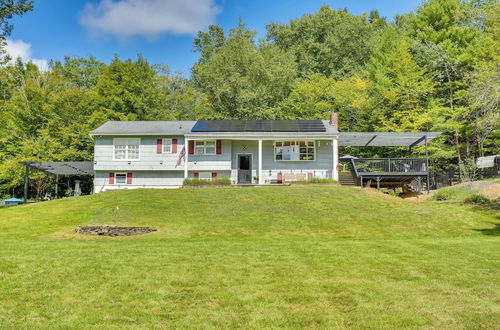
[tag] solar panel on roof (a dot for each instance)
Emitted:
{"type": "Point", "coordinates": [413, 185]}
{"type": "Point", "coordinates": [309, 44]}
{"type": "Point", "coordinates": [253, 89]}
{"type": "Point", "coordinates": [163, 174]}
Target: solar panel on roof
{"type": "Point", "coordinates": [259, 126]}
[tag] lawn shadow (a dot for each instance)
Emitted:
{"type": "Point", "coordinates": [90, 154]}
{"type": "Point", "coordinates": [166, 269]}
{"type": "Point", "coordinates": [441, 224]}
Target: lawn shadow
{"type": "Point", "coordinates": [495, 231]}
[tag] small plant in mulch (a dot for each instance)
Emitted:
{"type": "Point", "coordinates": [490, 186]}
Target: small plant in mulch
{"type": "Point", "coordinates": [105, 230]}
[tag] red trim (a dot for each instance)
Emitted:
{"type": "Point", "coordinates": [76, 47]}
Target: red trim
{"type": "Point", "coordinates": [111, 178]}
{"type": "Point", "coordinates": [174, 146]}
{"type": "Point", "coordinates": [309, 175]}
{"type": "Point", "coordinates": [218, 147]}
{"type": "Point", "coordinates": [159, 146]}
{"type": "Point", "coordinates": [191, 147]}
{"type": "Point", "coordinates": [280, 177]}
{"type": "Point", "coordinates": [196, 175]}
{"type": "Point", "coordinates": [214, 175]}
{"type": "Point", "coordinates": [129, 178]}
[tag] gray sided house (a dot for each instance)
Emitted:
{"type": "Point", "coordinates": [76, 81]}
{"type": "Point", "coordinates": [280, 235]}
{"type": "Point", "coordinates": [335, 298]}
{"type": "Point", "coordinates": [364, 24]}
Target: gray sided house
{"type": "Point", "coordinates": [161, 154]}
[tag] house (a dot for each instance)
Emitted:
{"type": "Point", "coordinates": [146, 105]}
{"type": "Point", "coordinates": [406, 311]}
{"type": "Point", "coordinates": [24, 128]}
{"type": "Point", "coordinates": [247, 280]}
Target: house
{"type": "Point", "coordinates": [161, 154]}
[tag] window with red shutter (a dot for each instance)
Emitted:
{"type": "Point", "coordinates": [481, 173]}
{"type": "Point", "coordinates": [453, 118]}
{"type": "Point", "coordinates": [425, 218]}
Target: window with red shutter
{"type": "Point", "coordinates": [196, 175]}
{"type": "Point", "coordinates": [218, 147]}
{"type": "Point", "coordinates": [309, 175]}
{"type": "Point", "coordinates": [129, 178]}
{"type": "Point", "coordinates": [214, 175]}
{"type": "Point", "coordinates": [174, 146]}
{"type": "Point", "coordinates": [159, 146]}
{"type": "Point", "coordinates": [111, 178]}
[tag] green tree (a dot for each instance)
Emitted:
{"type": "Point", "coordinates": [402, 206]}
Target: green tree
{"type": "Point", "coordinates": [242, 80]}
{"type": "Point", "coordinates": [9, 9]}
{"type": "Point", "coordinates": [330, 42]}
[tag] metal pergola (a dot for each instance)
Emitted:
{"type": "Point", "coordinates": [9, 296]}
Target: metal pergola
{"type": "Point", "coordinates": [386, 139]}
{"type": "Point", "coordinates": [57, 169]}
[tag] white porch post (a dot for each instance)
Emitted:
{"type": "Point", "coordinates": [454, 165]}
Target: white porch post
{"type": "Point", "coordinates": [186, 146]}
{"type": "Point", "coordinates": [335, 147]}
{"type": "Point", "coordinates": [260, 161]}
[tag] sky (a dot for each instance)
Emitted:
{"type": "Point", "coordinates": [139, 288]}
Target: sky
{"type": "Point", "coordinates": [161, 30]}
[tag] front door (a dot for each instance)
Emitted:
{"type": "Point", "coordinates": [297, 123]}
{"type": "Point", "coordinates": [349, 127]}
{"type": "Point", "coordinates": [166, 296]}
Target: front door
{"type": "Point", "coordinates": [244, 169]}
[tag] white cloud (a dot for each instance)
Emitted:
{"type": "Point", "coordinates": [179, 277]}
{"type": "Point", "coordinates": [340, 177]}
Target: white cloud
{"type": "Point", "coordinates": [148, 18]}
{"type": "Point", "coordinates": [19, 48]}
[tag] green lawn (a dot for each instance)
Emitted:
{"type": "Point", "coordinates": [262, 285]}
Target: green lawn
{"type": "Point", "coordinates": [291, 257]}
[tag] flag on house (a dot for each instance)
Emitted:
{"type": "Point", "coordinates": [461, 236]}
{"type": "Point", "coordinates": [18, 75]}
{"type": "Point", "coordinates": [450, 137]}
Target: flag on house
{"type": "Point", "coordinates": [181, 156]}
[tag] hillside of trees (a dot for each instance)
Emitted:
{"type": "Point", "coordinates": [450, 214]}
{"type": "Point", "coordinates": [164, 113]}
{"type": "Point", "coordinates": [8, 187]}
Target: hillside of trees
{"type": "Point", "coordinates": [434, 69]}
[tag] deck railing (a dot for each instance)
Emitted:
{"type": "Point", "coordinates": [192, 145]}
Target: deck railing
{"type": "Point", "coordinates": [390, 165]}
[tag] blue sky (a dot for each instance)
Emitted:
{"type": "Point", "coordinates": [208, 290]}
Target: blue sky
{"type": "Point", "coordinates": [161, 30]}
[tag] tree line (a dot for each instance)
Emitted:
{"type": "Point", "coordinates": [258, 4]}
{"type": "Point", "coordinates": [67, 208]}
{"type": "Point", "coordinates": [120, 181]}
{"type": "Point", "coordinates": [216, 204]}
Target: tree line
{"type": "Point", "coordinates": [436, 68]}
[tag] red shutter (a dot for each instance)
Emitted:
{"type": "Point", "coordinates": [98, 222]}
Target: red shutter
{"type": "Point", "coordinates": [111, 178]}
{"type": "Point", "coordinates": [280, 177]}
{"type": "Point", "coordinates": [159, 146]}
{"type": "Point", "coordinates": [191, 147]}
{"type": "Point", "coordinates": [309, 176]}
{"type": "Point", "coordinates": [129, 178]}
{"type": "Point", "coordinates": [218, 147]}
{"type": "Point", "coordinates": [196, 175]}
{"type": "Point", "coordinates": [214, 175]}
{"type": "Point", "coordinates": [174, 146]}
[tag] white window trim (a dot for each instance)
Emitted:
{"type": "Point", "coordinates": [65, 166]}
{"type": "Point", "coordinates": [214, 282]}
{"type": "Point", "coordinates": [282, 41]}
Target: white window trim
{"type": "Point", "coordinates": [209, 173]}
{"type": "Point", "coordinates": [163, 146]}
{"type": "Point", "coordinates": [126, 152]}
{"type": "Point", "coordinates": [205, 147]}
{"type": "Point", "coordinates": [120, 173]}
{"type": "Point", "coordinates": [299, 160]}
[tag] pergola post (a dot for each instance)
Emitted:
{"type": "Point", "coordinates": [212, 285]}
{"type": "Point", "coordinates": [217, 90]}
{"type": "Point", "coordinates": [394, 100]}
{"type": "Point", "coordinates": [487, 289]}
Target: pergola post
{"type": "Point", "coordinates": [427, 163]}
{"type": "Point", "coordinates": [57, 186]}
{"type": "Point", "coordinates": [26, 182]}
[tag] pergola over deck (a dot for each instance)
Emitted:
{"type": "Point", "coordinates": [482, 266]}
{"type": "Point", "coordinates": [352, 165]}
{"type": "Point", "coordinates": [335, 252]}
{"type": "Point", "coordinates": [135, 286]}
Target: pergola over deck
{"type": "Point", "coordinates": [57, 169]}
{"type": "Point", "coordinates": [389, 171]}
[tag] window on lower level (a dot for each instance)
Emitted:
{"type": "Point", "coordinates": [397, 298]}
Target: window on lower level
{"type": "Point", "coordinates": [121, 177]}
{"type": "Point", "coordinates": [206, 176]}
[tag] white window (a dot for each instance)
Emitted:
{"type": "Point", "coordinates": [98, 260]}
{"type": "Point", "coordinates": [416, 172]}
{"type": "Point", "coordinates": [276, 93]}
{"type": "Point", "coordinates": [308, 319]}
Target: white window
{"type": "Point", "coordinates": [206, 176]}
{"type": "Point", "coordinates": [126, 149]}
{"type": "Point", "coordinates": [294, 150]}
{"type": "Point", "coordinates": [121, 178]}
{"type": "Point", "coordinates": [167, 146]}
{"type": "Point", "coordinates": [204, 147]}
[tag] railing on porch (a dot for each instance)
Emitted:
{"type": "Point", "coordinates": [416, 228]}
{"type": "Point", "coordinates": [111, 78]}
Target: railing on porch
{"type": "Point", "coordinates": [404, 166]}
{"type": "Point", "coordinates": [244, 176]}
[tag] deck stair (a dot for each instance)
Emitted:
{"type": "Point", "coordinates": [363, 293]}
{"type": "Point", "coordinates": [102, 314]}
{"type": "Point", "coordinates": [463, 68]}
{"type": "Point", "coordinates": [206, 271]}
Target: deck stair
{"type": "Point", "coordinates": [347, 179]}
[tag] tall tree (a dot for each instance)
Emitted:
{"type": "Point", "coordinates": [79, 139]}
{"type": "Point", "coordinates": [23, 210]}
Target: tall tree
{"type": "Point", "coordinates": [331, 42]}
{"type": "Point", "coordinates": [9, 9]}
{"type": "Point", "coordinates": [243, 80]}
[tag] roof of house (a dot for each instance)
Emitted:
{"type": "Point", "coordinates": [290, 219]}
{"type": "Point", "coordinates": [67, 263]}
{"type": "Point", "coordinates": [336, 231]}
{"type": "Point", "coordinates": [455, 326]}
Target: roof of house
{"type": "Point", "coordinates": [217, 128]}
{"type": "Point", "coordinates": [144, 128]}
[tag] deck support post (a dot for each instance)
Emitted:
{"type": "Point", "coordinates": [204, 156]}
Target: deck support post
{"type": "Point", "coordinates": [186, 146]}
{"type": "Point", "coordinates": [335, 149]}
{"type": "Point", "coordinates": [378, 182]}
{"type": "Point", "coordinates": [26, 182]}
{"type": "Point", "coordinates": [419, 184]}
{"type": "Point", "coordinates": [260, 161]}
{"type": "Point", "coordinates": [361, 179]}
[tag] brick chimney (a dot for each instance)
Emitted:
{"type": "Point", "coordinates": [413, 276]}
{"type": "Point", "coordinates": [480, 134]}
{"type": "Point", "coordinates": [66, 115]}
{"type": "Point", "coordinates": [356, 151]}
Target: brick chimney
{"type": "Point", "coordinates": [334, 120]}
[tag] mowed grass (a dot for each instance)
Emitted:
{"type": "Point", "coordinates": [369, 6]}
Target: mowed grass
{"type": "Point", "coordinates": [269, 257]}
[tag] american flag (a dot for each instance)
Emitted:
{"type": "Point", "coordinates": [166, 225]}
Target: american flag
{"type": "Point", "coordinates": [181, 155]}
